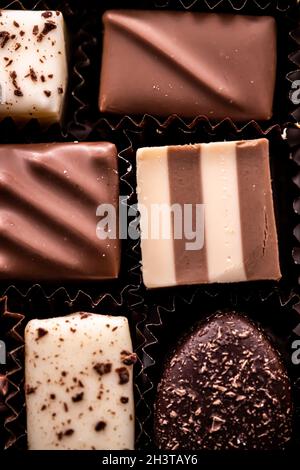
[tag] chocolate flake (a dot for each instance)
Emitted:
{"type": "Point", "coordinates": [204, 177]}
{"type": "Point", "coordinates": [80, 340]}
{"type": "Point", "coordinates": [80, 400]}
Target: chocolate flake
{"type": "Point", "coordinates": [78, 397]}
{"type": "Point", "coordinates": [35, 30]}
{"type": "Point", "coordinates": [16, 24]}
{"type": "Point", "coordinates": [40, 331]}
{"type": "Point", "coordinates": [124, 400]}
{"type": "Point", "coordinates": [100, 426]}
{"type": "Point", "coordinates": [60, 90]}
{"type": "Point", "coordinates": [67, 433]}
{"type": "Point", "coordinates": [32, 74]}
{"type": "Point", "coordinates": [47, 14]}
{"type": "Point", "coordinates": [30, 390]}
{"type": "Point", "coordinates": [4, 38]}
{"type": "Point", "coordinates": [47, 93]}
{"type": "Point", "coordinates": [128, 358]}
{"type": "Point", "coordinates": [48, 26]}
{"type": "Point", "coordinates": [103, 368]}
{"type": "Point", "coordinates": [123, 375]}
{"type": "Point", "coordinates": [84, 315]}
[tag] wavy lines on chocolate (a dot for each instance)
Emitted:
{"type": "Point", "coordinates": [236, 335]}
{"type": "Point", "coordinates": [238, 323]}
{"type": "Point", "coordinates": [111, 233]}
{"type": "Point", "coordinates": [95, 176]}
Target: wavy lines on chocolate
{"type": "Point", "coordinates": [178, 55]}
{"type": "Point", "coordinates": [49, 197]}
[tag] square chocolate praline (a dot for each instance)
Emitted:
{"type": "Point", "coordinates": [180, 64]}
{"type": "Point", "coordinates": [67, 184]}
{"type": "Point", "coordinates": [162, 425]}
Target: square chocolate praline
{"type": "Point", "coordinates": [190, 64]}
{"type": "Point", "coordinates": [231, 181]}
{"type": "Point", "coordinates": [48, 218]}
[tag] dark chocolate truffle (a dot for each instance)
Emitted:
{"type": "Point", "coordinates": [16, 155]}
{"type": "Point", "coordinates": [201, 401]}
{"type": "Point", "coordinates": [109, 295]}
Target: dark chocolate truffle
{"type": "Point", "coordinates": [225, 387]}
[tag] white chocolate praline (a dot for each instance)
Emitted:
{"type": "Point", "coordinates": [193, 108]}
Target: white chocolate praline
{"type": "Point", "coordinates": [33, 65]}
{"type": "Point", "coordinates": [79, 383]}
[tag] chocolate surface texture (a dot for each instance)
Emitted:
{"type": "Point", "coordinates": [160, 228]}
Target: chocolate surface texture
{"type": "Point", "coordinates": [232, 180]}
{"type": "Point", "coordinates": [79, 392]}
{"type": "Point", "coordinates": [49, 196]}
{"type": "Point", "coordinates": [225, 387]}
{"type": "Point", "coordinates": [190, 64]}
{"type": "Point", "coordinates": [34, 70]}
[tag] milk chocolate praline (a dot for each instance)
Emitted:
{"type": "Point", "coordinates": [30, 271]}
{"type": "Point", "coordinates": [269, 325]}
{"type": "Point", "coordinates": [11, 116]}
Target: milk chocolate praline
{"type": "Point", "coordinates": [224, 387]}
{"type": "Point", "coordinates": [188, 63]}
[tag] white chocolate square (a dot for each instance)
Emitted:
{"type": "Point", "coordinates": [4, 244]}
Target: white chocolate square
{"type": "Point", "coordinates": [33, 65]}
{"type": "Point", "coordinates": [79, 385]}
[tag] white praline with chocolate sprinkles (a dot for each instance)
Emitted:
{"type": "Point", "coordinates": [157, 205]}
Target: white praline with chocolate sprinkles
{"type": "Point", "coordinates": [78, 383]}
{"type": "Point", "coordinates": [33, 65]}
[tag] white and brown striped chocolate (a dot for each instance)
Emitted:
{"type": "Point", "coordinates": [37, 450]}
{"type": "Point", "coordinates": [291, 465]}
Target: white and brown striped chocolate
{"type": "Point", "coordinates": [79, 392]}
{"type": "Point", "coordinates": [232, 180]}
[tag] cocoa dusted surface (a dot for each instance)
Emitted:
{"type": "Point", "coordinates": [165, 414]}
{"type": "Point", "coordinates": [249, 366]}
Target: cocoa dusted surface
{"type": "Point", "coordinates": [49, 196]}
{"type": "Point", "coordinates": [225, 387]}
{"type": "Point", "coordinates": [190, 64]}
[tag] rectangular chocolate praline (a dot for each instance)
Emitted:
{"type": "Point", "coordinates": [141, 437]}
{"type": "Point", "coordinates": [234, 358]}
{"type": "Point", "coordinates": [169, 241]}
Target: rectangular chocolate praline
{"type": "Point", "coordinates": [34, 69]}
{"type": "Point", "coordinates": [232, 181]}
{"type": "Point", "coordinates": [79, 383]}
{"type": "Point", "coordinates": [49, 197]}
{"type": "Point", "coordinates": [167, 62]}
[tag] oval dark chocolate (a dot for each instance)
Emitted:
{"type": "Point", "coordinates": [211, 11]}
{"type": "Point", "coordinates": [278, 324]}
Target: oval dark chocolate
{"type": "Point", "coordinates": [225, 387]}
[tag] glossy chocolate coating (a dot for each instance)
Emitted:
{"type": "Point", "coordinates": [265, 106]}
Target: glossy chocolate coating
{"type": "Point", "coordinates": [225, 387]}
{"type": "Point", "coordinates": [190, 64]}
{"type": "Point", "coordinates": [49, 197]}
